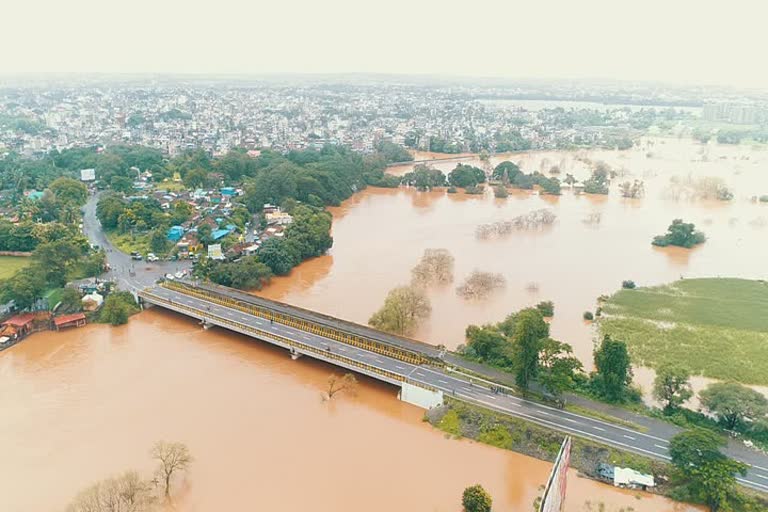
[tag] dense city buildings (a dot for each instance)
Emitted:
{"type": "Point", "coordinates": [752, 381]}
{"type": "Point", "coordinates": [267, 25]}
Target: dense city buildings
{"type": "Point", "coordinates": [450, 117]}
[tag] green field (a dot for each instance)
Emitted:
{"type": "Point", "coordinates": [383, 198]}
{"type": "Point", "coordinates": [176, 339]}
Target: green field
{"type": "Point", "coordinates": [714, 327]}
{"type": "Point", "coordinates": [129, 242]}
{"type": "Point", "coordinates": [10, 264]}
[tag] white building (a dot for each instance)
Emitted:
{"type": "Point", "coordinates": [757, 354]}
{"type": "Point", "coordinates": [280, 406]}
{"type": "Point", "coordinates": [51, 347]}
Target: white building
{"type": "Point", "coordinates": [87, 174]}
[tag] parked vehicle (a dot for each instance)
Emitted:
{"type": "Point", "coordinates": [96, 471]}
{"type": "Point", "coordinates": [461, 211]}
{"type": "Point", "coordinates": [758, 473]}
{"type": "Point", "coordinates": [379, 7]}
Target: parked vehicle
{"type": "Point", "coordinates": [151, 257]}
{"type": "Point", "coordinates": [169, 276]}
{"type": "Point", "coordinates": [179, 274]}
{"type": "Point", "coordinates": [136, 256]}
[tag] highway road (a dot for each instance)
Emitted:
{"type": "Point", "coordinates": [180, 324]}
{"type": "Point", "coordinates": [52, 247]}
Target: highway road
{"type": "Point", "coordinates": [462, 387]}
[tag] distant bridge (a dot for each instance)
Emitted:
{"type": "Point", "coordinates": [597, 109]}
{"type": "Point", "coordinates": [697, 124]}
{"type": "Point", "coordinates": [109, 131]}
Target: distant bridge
{"type": "Point", "coordinates": [435, 160]}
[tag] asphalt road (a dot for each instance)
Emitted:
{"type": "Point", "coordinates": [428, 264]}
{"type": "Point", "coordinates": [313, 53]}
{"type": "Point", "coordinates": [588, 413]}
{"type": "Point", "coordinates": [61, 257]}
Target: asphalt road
{"type": "Point", "coordinates": [462, 387]}
{"type": "Point", "coordinates": [129, 274]}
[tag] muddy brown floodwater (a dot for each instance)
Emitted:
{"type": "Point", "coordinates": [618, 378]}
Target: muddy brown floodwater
{"type": "Point", "coordinates": [83, 404]}
{"type": "Point", "coordinates": [380, 234]}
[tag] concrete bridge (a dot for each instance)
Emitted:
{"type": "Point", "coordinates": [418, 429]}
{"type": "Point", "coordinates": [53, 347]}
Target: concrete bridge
{"type": "Point", "coordinates": [425, 374]}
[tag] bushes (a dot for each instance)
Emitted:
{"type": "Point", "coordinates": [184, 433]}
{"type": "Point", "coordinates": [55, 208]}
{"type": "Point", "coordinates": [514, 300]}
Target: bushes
{"type": "Point", "coordinates": [680, 234]}
{"type": "Point", "coordinates": [588, 316]}
{"type": "Point", "coordinates": [547, 308]}
{"type": "Point", "coordinates": [628, 284]}
{"type": "Point", "coordinates": [117, 308]}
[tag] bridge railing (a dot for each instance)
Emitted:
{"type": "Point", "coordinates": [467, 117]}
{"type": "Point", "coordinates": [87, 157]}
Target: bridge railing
{"type": "Point", "coordinates": [304, 325]}
{"type": "Point", "coordinates": [302, 347]}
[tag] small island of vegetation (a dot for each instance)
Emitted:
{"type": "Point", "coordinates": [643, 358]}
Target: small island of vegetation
{"type": "Point", "coordinates": [680, 234]}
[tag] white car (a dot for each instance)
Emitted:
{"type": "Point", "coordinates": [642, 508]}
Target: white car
{"type": "Point", "coordinates": [169, 277]}
{"type": "Point", "coordinates": [152, 258]}
{"type": "Point", "coordinates": [179, 274]}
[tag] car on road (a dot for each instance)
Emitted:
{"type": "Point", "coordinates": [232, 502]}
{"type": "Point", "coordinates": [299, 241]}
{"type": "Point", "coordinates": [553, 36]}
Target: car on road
{"type": "Point", "coordinates": [179, 274]}
{"type": "Point", "coordinates": [136, 256]}
{"type": "Point", "coordinates": [151, 257]}
{"type": "Point", "coordinates": [169, 276]}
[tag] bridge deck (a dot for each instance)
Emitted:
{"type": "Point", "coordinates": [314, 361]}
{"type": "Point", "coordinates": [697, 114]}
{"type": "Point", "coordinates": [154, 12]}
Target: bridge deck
{"type": "Point", "coordinates": [325, 320]}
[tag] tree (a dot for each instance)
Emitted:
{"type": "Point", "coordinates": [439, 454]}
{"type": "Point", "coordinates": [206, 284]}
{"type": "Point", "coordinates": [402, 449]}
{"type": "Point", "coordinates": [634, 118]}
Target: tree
{"type": "Point", "coordinates": [529, 331]}
{"type": "Point", "coordinates": [466, 176]}
{"type": "Point", "coordinates": [488, 345]}
{"type": "Point", "coordinates": [246, 274]}
{"type": "Point", "coordinates": [24, 287]}
{"type": "Point", "coordinates": [127, 492]}
{"type": "Point", "coordinates": [122, 184]}
{"type": "Point", "coordinates": [336, 385]}
{"type": "Point", "coordinates": [599, 181]}
{"type": "Point", "coordinates": [435, 267]}
{"type": "Point", "coordinates": [614, 372]}
{"type": "Point", "coordinates": [506, 171]}
{"type": "Point", "coordinates": [557, 366]}
{"type": "Point", "coordinates": [734, 404]}
{"type": "Point", "coordinates": [632, 190]}
{"type": "Point", "coordinates": [680, 234]}
{"type": "Point", "coordinates": [546, 307]}
{"type": "Point", "coordinates": [195, 178]}
{"type": "Point", "coordinates": [424, 177]}
{"type": "Point", "coordinates": [172, 458]}
{"type": "Point", "coordinates": [55, 259]}
{"type": "Point", "coordinates": [403, 309]}
{"type": "Point", "coordinates": [710, 474]}
{"type": "Point", "coordinates": [672, 387]}
{"type": "Point", "coordinates": [158, 241]}
{"type": "Point", "coordinates": [69, 191]}
{"type": "Point", "coordinates": [117, 308]}
{"type": "Point", "coordinates": [476, 499]}
{"type": "Point", "coordinates": [278, 255]}
{"type": "Point", "coordinates": [70, 301]}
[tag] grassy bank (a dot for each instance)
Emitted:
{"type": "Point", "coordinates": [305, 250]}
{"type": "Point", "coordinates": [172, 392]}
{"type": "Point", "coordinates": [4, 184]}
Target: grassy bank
{"type": "Point", "coordinates": [461, 420]}
{"type": "Point", "coordinates": [509, 433]}
{"type": "Point", "coordinates": [10, 264]}
{"type": "Point", "coordinates": [714, 327]}
{"type": "Point", "coordinates": [129, 242]}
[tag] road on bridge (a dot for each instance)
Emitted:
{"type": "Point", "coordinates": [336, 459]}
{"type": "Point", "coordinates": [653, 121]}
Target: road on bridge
{"type": "Point", "coordinates": [462, 387]}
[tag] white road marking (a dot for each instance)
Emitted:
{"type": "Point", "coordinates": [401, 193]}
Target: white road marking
{"type": "Point", "coordinates": [659, 446]}
{"type": "Point", "coordinates": [598, 428]}
{"type": "Point", "coordinates": [630, 437]}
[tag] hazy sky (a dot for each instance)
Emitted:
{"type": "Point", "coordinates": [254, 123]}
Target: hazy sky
{"type": "Point", "coordinates": [703, 41]}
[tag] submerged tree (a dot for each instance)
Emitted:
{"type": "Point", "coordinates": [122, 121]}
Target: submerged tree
{"type": "Point", "coordinates": [127, 492]}
{"type": "Point", "coordinates": [476, 499]}
{"type": "Point", "coordinates": [336, 385]}
{"type": "Point", "coordinates": [403, 309]}
{"type": "Point", "coordinates": [480, 285]}
{"type": "Point", "coordinates": [680, 234]}
{"type": "Point", "coordinates": [173, 458]}
{"type": "Point", "coordinates": [435, 267]}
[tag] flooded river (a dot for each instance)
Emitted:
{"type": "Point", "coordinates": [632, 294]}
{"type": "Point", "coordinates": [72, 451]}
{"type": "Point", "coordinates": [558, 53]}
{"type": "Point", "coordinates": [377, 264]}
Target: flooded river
{"type": "Point", "coordinates": [380, 234]}
{"type": "Point", "coordinates": [83, 404]}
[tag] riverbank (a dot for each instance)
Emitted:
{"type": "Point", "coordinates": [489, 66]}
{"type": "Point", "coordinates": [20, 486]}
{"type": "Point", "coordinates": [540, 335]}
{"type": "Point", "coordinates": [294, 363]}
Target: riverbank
{"type": "Point", "coordinates": [459, 420]}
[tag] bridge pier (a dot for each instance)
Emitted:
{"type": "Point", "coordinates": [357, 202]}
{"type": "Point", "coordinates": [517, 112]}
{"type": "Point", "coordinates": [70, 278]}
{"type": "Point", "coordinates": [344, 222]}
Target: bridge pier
{"type": "Point", "coordinates": [295, 354]}
{"type": "Point", "coordinates": [419, 396]}
{"type": "Point", "coordinates": [206, 325]}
